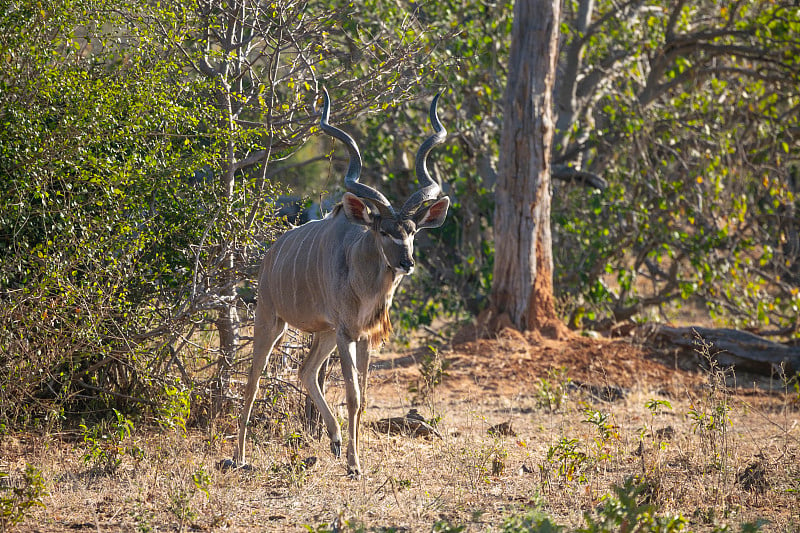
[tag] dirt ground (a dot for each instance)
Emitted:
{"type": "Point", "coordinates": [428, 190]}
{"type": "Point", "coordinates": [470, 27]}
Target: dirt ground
{"type": "Point", "coordinates": [503, 365]}
{"type": "Point", "coordinates": [581, 416]}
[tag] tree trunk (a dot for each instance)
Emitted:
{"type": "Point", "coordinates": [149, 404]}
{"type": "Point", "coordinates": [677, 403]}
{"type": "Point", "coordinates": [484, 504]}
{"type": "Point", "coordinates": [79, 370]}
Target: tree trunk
{"type": "Point", "coordinates": [228, 318]}
{"type": "Point", "coordinates": [522, 287]}
{"type": "Point", "coordinates": [228, 329]}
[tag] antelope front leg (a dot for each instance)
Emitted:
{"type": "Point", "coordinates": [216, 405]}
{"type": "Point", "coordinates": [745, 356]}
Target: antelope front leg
{"type": "Point", "coordinates": [348, 355]}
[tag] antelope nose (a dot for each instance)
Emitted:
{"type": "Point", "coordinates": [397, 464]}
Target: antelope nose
{"type": "Point", "coordinates": [407, 265]}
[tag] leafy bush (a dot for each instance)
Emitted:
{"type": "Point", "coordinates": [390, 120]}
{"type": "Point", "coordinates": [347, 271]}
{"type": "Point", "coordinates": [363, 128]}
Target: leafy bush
{"type": "Point", "coordinates": [15, 502]}
{"type": "Point", "coordinates": [108, 442]}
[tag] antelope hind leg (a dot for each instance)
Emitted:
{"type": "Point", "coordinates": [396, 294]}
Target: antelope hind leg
{"type": "Point", "coordinates": [321, 347]}
{"type": "Point", "coordinates": [266, 335]}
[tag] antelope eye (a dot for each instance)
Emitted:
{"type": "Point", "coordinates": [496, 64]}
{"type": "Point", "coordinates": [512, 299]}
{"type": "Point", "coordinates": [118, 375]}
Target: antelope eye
{"type": "Point", "coordinates": [383, 233]}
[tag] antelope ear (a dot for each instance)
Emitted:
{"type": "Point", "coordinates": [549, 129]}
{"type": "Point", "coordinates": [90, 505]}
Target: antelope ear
{"type": "Point", "coordinates": [356, 210]}
{"type": "Point", "coordinates": [433, 216]}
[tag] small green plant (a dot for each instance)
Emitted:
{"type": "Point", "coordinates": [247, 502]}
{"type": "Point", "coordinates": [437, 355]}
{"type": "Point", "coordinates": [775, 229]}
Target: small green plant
{"type": "Point", "coordinates": [326, 528]}
{"type": "Point", "coordinates": [445, 526]}
{"type": "Point", "coordinates": [657, 406]}
{"type": "Point", "coordinates": [623, 511]}
{"type": "Point", "coordinates": [499, 457]}
{"type": "Point", "coordinates": [180, 505]}
{"type": "Point", "coordinates": [747, 527]}
{"type": "Point", "coordinates": [401, 484]}
{"type": "Point", "coordinates": [432, 369]}
{"type": "Point", "coordinates": [480, 463]}
{"type": "Point", "coordinates": [298, 467]}
{"type": "Point", "coordinates": [174, 409]}
{"type": "Point", "coordinates": [106, 444]}
{"type": "Point", "coordinates": [566, 455]}
{"type": "Point", "coordinates": [533, 521]}
{"type": "Point", "coordinates": [606, 431]}
{"type": "Point", "coordinates": [710, 416]}
{"type": "Point", "coordinates": [711, 424]}
{"type": "Point", "coordinates": [143, 518]}
{"type": "Point", "coordinates": [180, 499]}
{"type": "Point", "coordinates": [202, 481]}
{"type": "Point", "coordinates": [791, 385]}
{"type": "Point", "coordinates": [15, 502]}
{"type": "Point", "coordinates": [711, 421]}
{"type": "Point", "coordinates": [551, 392]}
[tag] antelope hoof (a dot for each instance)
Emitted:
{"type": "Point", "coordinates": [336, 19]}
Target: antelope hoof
{"type": "Point", "coordinates": [231, 464]}
{"type": "Point", "coordinates": [353, 473]}
{"type": "Point", "coordinates": [336, 448]}
{"type": "Point", "coordinates": [227, 464]}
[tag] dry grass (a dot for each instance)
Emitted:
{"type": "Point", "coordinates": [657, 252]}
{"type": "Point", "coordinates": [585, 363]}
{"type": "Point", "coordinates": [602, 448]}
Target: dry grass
{"type": "Point", "coordinates": [742, 467]}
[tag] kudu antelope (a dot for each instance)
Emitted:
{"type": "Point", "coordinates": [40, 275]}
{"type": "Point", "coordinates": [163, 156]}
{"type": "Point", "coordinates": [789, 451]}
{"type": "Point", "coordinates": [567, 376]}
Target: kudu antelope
{"type": "Point", "coordinates": [336, 277]}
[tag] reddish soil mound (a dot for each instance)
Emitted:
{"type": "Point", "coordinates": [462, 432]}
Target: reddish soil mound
{"type": "Point", "coordinates": [514, 360]}
{"type": "Point", "coordinates": [513, 363]}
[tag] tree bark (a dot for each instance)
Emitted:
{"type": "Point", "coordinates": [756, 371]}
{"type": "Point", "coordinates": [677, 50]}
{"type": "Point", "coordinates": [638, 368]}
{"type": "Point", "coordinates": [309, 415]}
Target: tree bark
{"type": "Point", "coordinates": [228, 318]}
{"type": "Point", "coordinates": [522, 286]}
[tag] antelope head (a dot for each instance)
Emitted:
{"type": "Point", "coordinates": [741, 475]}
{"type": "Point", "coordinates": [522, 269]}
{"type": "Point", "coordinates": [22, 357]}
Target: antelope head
{"type": "Point", "coordinates": [393, 230]}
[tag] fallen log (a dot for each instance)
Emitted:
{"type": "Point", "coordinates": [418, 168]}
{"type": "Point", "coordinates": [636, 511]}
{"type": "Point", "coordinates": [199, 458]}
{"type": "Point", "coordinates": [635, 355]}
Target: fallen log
{"type": "Point", "coordinates": [732, 347]}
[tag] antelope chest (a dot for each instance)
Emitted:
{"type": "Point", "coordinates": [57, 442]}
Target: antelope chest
{"type": "Point", "coordinates": [377, 303]}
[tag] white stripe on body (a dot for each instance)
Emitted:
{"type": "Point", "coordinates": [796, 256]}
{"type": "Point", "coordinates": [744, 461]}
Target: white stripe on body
{"type": "Point", "coordinates": [294, 264]}
{"type": "Point", "coordinates": [317, 268]}
{"type": "Point", "coordinates": [276, 256]}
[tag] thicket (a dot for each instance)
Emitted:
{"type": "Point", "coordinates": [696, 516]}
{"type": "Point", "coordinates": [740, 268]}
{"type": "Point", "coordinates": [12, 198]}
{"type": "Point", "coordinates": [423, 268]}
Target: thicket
{"type": "Point", "coordinates": [141, 147]}
{"type": "Point", "coordinates": [138, 149]}
{"type": "Point", "coordinates": [676, 172]}
{"type": "Point", "coordinates": [98, 216]}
